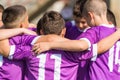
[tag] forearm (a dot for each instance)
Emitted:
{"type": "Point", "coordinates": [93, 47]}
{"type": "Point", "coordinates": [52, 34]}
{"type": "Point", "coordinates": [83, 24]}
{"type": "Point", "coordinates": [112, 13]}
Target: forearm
{"type": "Point", "coordinates": [106, 43]}
{"type": "Point", "coordinates": [71, 45]}
{"type": "Point", "coordinates": [51, 38]}
{"type": "Point", "coordinates": [16, 52]}
{"type": "Point", "coordinates": [7, 33]}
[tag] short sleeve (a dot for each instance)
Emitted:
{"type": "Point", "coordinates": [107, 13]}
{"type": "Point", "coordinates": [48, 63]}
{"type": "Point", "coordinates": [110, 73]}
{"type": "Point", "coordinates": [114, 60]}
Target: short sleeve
{"type": "Point", "coordinates": [28, 39]}
{"type": "Point", "coordinates": [20, 52]}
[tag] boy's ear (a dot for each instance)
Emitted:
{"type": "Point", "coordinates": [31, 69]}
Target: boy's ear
{"type": "Point", "coordinates": [90, 14]}
{"type": "Point", "coordinates": [110, 22]}
{"type": "Point", "coordinates": [21, 25]}
{"type": "Point", "coordinates": [41, 32]}
{"type": "Point", "coordinates": [63, 32]}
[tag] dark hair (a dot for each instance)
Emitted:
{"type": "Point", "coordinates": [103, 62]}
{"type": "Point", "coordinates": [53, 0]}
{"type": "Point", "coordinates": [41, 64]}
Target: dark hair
{"type": "Point", "coordinates": [1, 8]}
{"type": "Point", "coordinates": [111, 17]}
{"type": "Point", "coordinates": [78, 7]}
{"type": "Point", "coordinates": [13, 15]}
{"type": "Point", "coordinates": [51, 23]}
{"type": "Point", "coordinates": [39, 26]}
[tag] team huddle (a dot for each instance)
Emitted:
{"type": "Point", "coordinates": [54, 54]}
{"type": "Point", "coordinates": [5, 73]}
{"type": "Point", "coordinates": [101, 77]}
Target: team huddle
{"type": "Point", "coordinates": [86, 48]}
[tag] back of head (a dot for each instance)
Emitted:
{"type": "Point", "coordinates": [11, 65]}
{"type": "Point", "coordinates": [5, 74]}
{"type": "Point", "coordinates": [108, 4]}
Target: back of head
{"type": "Point", "coordinates": [39, 26]}
{"type": "Point", "coordinates": [52, 23]}
{"type": "Point", "coordinates": [111, 17]}
{"type": "Point", "coordinates": [1, 8]}
{"type": "Point", "coordinates": [13, 15]}
{"type": "Point", "coordinates": [98, 7]}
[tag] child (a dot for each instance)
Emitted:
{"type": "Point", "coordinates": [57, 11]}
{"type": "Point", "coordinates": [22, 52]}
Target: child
{"type": "Point", "coordinates": [13, 17]}
{"type": "Point", "coordinates": [75, 27]}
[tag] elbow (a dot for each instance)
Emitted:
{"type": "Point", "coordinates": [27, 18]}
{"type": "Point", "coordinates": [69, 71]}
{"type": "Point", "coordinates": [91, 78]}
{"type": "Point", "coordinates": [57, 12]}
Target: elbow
{"type": "Point", "coordinates": [83, 47]}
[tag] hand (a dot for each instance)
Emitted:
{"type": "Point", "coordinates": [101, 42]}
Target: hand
{"type": "Point", "coordinates": [27, 31]}
{"type": "Point", "coordinates": [118, 29]}
{"type": "Point", "coordinates": [31, 25]}
{"type": "Point", "coordinates": [41, 47]}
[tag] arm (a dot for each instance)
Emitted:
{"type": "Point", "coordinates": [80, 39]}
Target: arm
{"type": "Point", "coordinates": [22, 51]}
{"type": "Point", "coordinates": [7, 33]}
{"type": "Point", "coordinates": [51, 38]}
{"type": "Point", "coordinates": [4, 48]}
{"type": "Point", "coordinates": [106, 43]}
{"type": "Point", "coordinates": [17, 52]}
{"type": "Point", "coordinates": [78, 45]}
{"type": "Point", "coordinates": [68, 45]}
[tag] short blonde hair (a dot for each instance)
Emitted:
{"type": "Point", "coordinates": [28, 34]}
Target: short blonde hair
{"type": "Point", "coordinates": [98, 7]}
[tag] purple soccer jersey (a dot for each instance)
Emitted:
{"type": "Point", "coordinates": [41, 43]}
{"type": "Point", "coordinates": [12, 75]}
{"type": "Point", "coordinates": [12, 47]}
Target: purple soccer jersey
{"type": "Point", "coordinates": [51, 65]}
{"type": "Point", "coordinates": [72, 32]}
{"type": "Point", "coordinates": [12, 69]}
{"type": "Point", "coordinates": [106, 66]}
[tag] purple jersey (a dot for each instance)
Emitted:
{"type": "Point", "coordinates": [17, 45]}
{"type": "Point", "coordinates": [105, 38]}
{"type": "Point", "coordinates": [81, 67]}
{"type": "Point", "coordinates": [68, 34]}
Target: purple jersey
{"type": "Point", "coordinates": [53, 65]}
{"type": "Point", "coordinates": [72, 32]}
{"type": "Point", "coordinates": [12, 69]}
{"type": "Point", "coordinates": [106, 66]}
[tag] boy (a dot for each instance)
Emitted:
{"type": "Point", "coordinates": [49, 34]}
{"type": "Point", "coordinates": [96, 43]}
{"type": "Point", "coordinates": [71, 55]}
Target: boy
{"type": "Point", "coordinates": [75, 27]}
{"type": "Point", "coordinates": [13, 17]}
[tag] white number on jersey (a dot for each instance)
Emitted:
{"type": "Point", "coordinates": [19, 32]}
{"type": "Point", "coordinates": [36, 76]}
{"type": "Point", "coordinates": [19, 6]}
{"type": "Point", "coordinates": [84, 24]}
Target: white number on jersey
{"type": "Point", "coordinates": [57, 58]}
{"type": "Point", "coordinates": [111, 60]}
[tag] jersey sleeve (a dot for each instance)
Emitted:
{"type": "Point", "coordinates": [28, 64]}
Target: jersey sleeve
{"type": "Point", "coordinates": [29, 39]}
{"type": "Point", "coordinates": [22, 49]}
{"type": "Point", "coordinates": [91, 38]}
{"type": "Point", "coordinates": [20, 52]}
{"type": "Point", "coordinates": [90, 54]}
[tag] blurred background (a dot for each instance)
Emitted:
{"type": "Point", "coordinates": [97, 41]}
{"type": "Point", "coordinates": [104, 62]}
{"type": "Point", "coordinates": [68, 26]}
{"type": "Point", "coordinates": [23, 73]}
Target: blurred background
{"type": "Point", "coordinates": [36, 8]}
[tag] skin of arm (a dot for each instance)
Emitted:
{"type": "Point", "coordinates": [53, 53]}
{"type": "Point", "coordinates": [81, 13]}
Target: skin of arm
{"type": "Point", "coordinates": [78, 45]}
{"type": "Point", "coordinates": [51, 38]}
{"type": "Point", "coordinates": [64, 44]}
{"type": "Point", "coordinates": [21, 52]}
{"type": "Point", "coordinates": [67, 45]}
{"type": "Point", "coordinates": [4, 47]}
{"type": "Point", "coordinates": [7, 33]}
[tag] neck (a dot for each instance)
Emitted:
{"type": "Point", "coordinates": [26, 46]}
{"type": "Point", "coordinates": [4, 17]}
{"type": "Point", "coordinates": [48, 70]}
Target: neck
{"type": "Point", "coordinates": [101, 20]}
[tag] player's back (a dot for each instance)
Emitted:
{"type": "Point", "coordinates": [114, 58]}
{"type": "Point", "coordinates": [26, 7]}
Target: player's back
{"type": "Point", "coordinates": [106, 66]}
{"type": "Point", "coordinates": [53, 65]}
